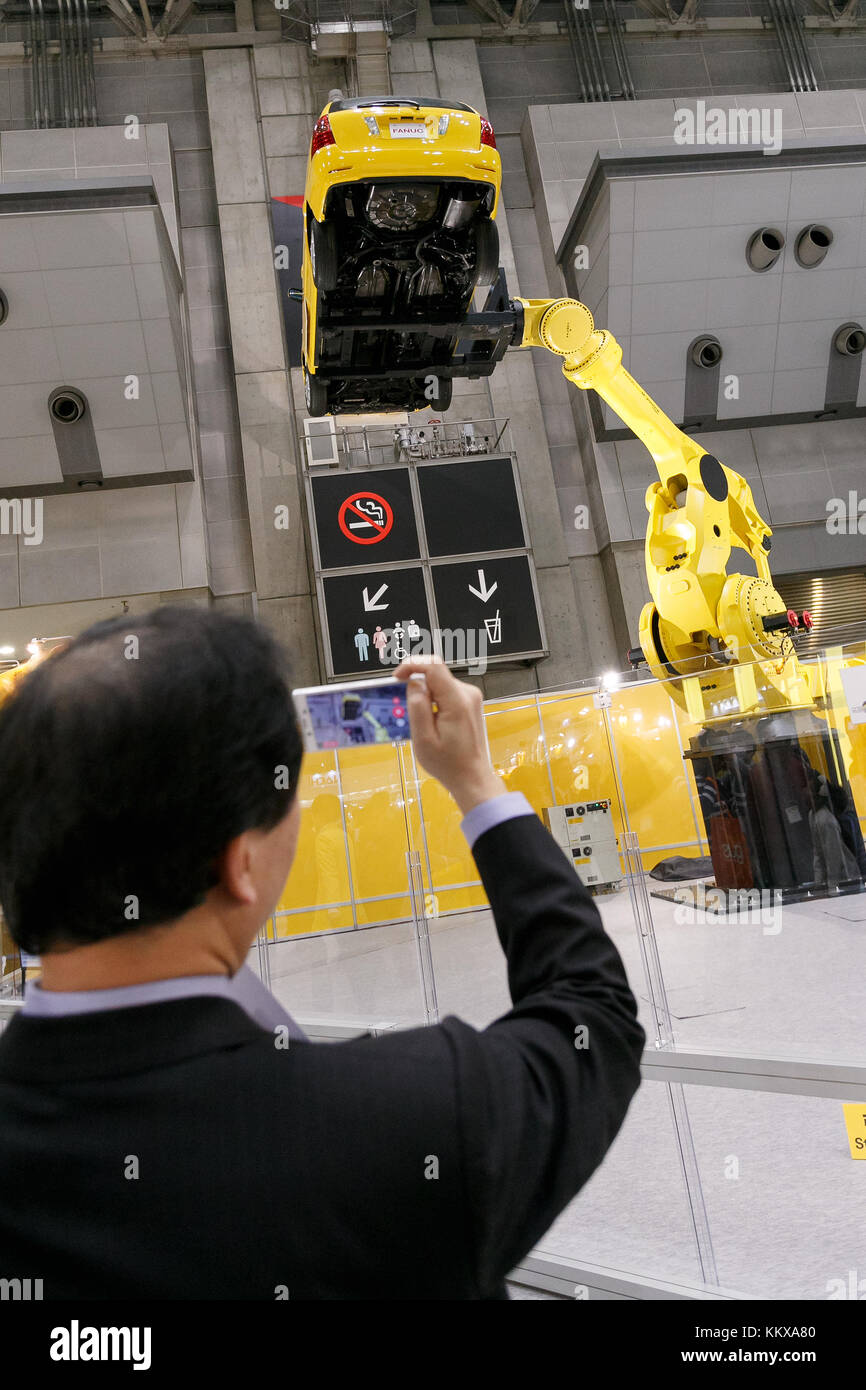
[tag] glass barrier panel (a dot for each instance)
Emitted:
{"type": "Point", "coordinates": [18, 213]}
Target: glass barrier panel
{"type": "Point", "coordinates": [450, 869]}
{"type": "Point", "coordinates": [633, 1214]}
{"type": "Point", "coordinates": [318, 895]}
{"type": "Point", "coordinates": [517, 749]}
{"type": "Point", "coordinates": [658, 787]}
{"type": "Point", "coordinates": [377, 834]}
{"type": "Point", "coordinates": [350, 979]}
{"type": "Point", "coordinates": [343, 948]}
{"type": "Point", "coordinates": [759, 941]}
{"type": "Point", "coordinates": [578, 750]}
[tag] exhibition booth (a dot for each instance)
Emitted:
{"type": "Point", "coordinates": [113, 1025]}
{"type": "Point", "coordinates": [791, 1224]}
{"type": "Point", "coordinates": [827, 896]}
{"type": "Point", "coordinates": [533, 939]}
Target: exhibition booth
{"type": "Point", "coordinates": [748, 975]}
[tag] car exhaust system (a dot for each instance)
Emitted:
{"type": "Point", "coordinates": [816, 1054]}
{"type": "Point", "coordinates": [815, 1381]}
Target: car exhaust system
{"type": "Point", "coordinates": [458, 212]}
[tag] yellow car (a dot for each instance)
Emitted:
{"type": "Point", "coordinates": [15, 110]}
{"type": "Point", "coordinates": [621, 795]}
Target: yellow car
{"type": "Point", "coordinates": [399, 208]}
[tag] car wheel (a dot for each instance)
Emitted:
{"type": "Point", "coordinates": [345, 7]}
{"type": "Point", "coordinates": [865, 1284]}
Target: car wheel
{"type": "Point", "coordinates": [315, 394]}
{"type": "Point", "coordinates": [486, 252]}
{"type": "Point", "coordinates": [323, 255]}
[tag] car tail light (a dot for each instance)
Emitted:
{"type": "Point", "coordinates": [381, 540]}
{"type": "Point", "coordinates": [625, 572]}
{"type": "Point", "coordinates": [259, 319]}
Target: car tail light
{"type": "Point", "coordinates": [323, 135]}
{"type": "Point", "coordinates": [487, 136]}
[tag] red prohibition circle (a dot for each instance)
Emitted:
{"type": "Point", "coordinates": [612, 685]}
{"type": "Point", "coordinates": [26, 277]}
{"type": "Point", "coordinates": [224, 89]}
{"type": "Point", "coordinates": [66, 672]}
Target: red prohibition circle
{"type": "Point", "coordinates": [350, 509]}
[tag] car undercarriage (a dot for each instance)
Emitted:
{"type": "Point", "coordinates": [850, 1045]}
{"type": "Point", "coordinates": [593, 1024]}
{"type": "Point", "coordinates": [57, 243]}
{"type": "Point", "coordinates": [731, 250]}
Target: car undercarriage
{"type": "Point", "coordinates": [396, 263]}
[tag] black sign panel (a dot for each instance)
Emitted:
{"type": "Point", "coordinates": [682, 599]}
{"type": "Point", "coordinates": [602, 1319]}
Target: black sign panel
{"type": "Point", "coordinates": [493, 597]}
{"type": "Point", "coordinates": [470, 507]}
{"type": "Point", "coordinates": [364, 518]}
{"type": "Point", "coordinates": [367, 614]}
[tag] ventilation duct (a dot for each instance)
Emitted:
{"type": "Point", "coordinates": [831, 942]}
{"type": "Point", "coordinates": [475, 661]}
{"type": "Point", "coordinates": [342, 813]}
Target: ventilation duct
{"type": "Point", "coordinates": [706, 352]}
{"type": "Point", "coordinates": [845, 360]}
{"type": "Point", "coordinates": [764, 248]}
{"type": "Point", "coordinates": [703, 370]}
{"type": "Point", "coordinates": [813, 243]}
{"type": "Point", "coordinates": [75, 438]}
{"type": "Point", "coordinates": [67, 405]}
{"type": "Point", "coordinates": [850, 340]}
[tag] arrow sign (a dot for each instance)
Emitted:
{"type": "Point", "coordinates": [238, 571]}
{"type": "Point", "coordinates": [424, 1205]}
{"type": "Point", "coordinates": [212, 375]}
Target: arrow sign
{"type": "Point", "coordinates": [371, 603]}
{"type": "Point", "coordinates": [483, 592]}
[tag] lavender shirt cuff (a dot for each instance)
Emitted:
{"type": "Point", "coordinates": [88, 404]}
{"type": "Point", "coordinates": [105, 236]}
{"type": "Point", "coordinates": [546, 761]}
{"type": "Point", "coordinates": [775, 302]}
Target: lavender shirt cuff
{"type": "Point", "coordinates": [493, 812]}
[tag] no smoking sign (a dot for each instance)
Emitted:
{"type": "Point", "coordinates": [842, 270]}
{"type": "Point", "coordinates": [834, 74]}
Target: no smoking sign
{"type": "Point", "coordinates": [365, 518]}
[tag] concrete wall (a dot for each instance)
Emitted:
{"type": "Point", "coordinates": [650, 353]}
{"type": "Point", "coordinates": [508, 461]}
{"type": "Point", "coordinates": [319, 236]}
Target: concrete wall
{"type": "Point", "coordinates": [128, 541]}
{"type": "Point", "coordinates": [168, 90]}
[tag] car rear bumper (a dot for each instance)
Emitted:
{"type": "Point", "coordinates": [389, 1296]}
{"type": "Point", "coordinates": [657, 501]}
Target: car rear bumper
{"type": "Point", "coordinates": [332, 166]}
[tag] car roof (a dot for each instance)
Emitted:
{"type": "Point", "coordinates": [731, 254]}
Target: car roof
{"type": "Point", "coordinates": [355, 103]}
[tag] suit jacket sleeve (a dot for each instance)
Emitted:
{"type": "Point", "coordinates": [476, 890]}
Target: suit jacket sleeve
{"type": "Point", "coordinates": [543, 1090]}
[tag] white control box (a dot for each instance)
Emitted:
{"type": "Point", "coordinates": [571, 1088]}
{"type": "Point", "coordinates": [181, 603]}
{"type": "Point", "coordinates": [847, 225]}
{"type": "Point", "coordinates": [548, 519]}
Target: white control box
{"type": "Point", "coordinates": [585, 832]}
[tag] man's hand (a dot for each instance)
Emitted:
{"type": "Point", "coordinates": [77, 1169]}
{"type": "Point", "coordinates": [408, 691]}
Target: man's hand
{"type": "Point", "coordinates": [449, 739]}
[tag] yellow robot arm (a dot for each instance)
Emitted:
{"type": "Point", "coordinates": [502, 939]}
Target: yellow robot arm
{"type": "Point", "coordinates": [731, 632]}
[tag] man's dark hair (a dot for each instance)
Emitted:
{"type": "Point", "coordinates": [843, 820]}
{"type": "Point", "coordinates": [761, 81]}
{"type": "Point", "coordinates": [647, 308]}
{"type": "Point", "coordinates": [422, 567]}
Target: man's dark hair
{"type": "Point", "coordinates": [128, 761]}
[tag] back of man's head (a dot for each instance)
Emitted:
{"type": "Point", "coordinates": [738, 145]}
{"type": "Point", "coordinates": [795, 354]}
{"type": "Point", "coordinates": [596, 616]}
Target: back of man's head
{"type": "Point", "coordinates": [128, 761]}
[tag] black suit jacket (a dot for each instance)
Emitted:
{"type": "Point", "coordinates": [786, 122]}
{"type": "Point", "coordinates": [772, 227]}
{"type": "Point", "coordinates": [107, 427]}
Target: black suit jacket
{"type": "Point", "coordinates": [420, 1165]}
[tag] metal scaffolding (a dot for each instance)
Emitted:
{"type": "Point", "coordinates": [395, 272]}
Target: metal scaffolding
{"type": "Point", "coordinates": [311, 21]}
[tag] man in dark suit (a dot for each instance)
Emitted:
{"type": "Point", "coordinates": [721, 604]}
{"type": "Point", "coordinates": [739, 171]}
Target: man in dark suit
{"type": "Point", "coordinates": [165, 1129]}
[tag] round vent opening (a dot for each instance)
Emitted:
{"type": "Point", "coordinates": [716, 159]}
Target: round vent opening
{"type": "Point", "coordinates": [813, 243]}
{"type": "Point", "coordinates": [706, 353]}
{"type": "Point", "coordinates": [850, 340]}
{"type": "Point", "coordinates": [67, 405]}
{"type": "Point", "coordinates": [764, 248]}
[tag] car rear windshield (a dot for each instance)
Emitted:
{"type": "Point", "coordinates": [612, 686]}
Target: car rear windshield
{"type": "Point", "coordinates": [355, 103]}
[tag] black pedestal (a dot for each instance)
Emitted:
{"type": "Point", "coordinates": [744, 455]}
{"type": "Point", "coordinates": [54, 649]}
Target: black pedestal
{"type": "Point", "coordinates": [777, 806]}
